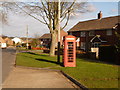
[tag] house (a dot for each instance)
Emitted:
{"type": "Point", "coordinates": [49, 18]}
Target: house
{"type": "Point", "coordinates": [93, 33]}
{"type": "Point", "coordinates": [25, 40]}
{"type": "Point", "coordinates": [46, 38]}
{"type": "Point", "coordinates": [8, 41]}
{"type": "Point", "coordinates": [17, 40]}
{"type": "Point", "coordinates": [1, 41]}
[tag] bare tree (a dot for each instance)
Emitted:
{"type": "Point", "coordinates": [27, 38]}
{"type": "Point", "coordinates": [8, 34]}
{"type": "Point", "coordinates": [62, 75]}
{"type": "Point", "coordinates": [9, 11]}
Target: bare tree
{"type": "Point", "coordinates": [117, 33]}
{"type": "Point", "coordinates": [46, 12]}
{"type": "Point", "coordinates": [3, 14]}
{"type": "Point", "coordinates": [35, 40]}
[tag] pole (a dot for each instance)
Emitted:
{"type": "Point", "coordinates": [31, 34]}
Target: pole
{"type": "Point", "coordinates": [58, 58]}
{"type": "Point", "coordinates": [27, 36]}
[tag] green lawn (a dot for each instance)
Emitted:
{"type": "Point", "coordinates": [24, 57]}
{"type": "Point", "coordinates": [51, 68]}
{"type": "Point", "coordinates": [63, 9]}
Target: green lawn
{"type": "Point", "coordinates": [90, 74]}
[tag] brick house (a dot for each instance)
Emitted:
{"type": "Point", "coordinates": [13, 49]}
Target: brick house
{"type": "Point", "coordinates": [24, 40]}
{"type": "Point", "coordinates": [1, 40]}
{"type": "Point", "coordinates": [93, 33]}
{"type": "Point", "coordinates": [46, 38]}
{"type": "Point", "coordinates": [8, 41]}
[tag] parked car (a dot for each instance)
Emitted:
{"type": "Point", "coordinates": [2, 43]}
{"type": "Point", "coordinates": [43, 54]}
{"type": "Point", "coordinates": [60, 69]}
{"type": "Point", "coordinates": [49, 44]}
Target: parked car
{"type": "Point", "coordinates": [18, 46]}
{"type": "Point", "coordinates": [3, 45]}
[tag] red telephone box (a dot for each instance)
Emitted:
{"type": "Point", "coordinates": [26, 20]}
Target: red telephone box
{"type": "Point", "coordinates": [69, 56]}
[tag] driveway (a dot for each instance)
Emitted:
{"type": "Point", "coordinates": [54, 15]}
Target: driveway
{"type": "Point", "coordinates": [33, 78]}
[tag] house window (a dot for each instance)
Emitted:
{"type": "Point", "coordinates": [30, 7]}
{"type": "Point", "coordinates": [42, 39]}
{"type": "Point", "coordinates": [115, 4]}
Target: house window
{"type": "Point", "coordinates": [109, 32]}
{"type": "Point", "coordinates": [82, 34]}
{"type": "Point", "coordinates": [83, 45]}
{"type": "Point", "coordinates": [96, 44]}
{"type": "Point", "coordinates": [62, 38]}
{"type": "Point", "coordinates": [44, 39]}
{"type": "Point", "coordinates": [70, 33]}
{"type": "Point", "coordinates": [49, 39]}
{"type": "Point", "coordinates": [78, 42]}
{"type": "Point", "coordinates": [91, 33]}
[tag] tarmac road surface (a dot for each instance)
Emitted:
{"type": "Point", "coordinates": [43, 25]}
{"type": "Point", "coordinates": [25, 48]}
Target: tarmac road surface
{"type": "Point", "coordinates": [8, 61]}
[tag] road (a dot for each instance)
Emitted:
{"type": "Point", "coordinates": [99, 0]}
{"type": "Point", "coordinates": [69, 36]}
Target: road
{"type": "Point", "coordinates": [8, 61]}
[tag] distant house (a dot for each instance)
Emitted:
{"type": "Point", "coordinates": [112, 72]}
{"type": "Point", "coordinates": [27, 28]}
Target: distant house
{"type": "Point", "coordinates": [1, 41]}
{"type": "Point", "coordinates": [17, 40]}
{"type": "Point", "coordinates": [8, 41]}
{"type": "Point", "coordinates": [93, 33]}
{"type": "Point", "coordinates": [46, 38]}
{"type": "Point", "coordinates": [24, 40]}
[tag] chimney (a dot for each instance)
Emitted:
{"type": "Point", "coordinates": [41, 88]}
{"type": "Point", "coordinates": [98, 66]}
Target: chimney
{"type": "Point", "coordinates": [100, 15]}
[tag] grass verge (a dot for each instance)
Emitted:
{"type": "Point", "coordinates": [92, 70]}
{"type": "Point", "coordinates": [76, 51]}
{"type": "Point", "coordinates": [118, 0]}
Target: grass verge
{"type": "Point", "coordinates": [90, 74]}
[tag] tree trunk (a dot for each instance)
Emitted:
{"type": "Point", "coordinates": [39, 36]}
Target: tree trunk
{"type": "Point", "coordinates": [53, 43]}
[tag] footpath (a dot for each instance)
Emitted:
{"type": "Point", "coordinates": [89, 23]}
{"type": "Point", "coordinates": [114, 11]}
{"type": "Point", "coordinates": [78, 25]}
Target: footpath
{"type": "Point", "coordinates": [32, 78]}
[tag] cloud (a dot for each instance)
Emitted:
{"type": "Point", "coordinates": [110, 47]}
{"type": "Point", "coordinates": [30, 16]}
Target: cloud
{"type": "Point", "coordinates": [88, 9]}
{"type": "Point", "coordinates": [91, 8]}
{"type": "Point", "coordinates": [112, 11]}
{"type": "Point", "coordinates": [83, 9]}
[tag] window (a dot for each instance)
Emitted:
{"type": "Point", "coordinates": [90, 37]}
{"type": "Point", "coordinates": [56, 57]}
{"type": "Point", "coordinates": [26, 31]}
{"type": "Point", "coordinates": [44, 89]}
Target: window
{"type": "Point", "coordinates": [109, 32]}
{"type": "Point", "coordinates": [62, 38]}
{"type": "Point", "coordinates": [83, 45]}
{"type": "Point", "coordinates": [44, 39]}
{"type": "Point", "coordinates": [49, 39]}
{"type": "Point", "coordinates": [82, 34]}
{"type": "Point", "coordinates": [96, 45]}
{"type": "Point", "coordinates": [91, 33]}
{"type": "Point", "coordinates": [70, 33]}
{"type": "Point", "coordinates": [78, 42]}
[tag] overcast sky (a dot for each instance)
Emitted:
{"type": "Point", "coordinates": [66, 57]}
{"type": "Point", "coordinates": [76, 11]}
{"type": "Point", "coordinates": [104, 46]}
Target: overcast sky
{"type": "Point", "coordinates": [17, 23]}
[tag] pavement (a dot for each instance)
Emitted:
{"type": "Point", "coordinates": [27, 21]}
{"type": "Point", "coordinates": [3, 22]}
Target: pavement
{"type": "Point", "coordinates": [32, 78]}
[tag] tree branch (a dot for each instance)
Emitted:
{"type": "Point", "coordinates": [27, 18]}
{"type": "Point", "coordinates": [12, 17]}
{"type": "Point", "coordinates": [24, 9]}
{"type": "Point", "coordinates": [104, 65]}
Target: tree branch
{"type": "Point", "coordinates": [43, 17]}
{"type": "Point", "coordinates": [30, 14]}
{"type": "Point", "coordinates": [68, 9]}
{"type": "Point", "coordinates": [66, 21]}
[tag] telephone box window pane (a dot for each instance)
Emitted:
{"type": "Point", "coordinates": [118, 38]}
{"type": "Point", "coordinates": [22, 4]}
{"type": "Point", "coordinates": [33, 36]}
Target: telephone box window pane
{"type": "Point", "coordinates": [70, 59]}
{"type": "Point", "coordinates": [70, 51]}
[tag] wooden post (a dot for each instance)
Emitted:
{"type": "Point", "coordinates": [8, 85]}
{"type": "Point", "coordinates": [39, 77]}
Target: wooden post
{"type": "Point", "coordinates": [27, 36]}
{"type": "Point", "coordinates": [58, 58]}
